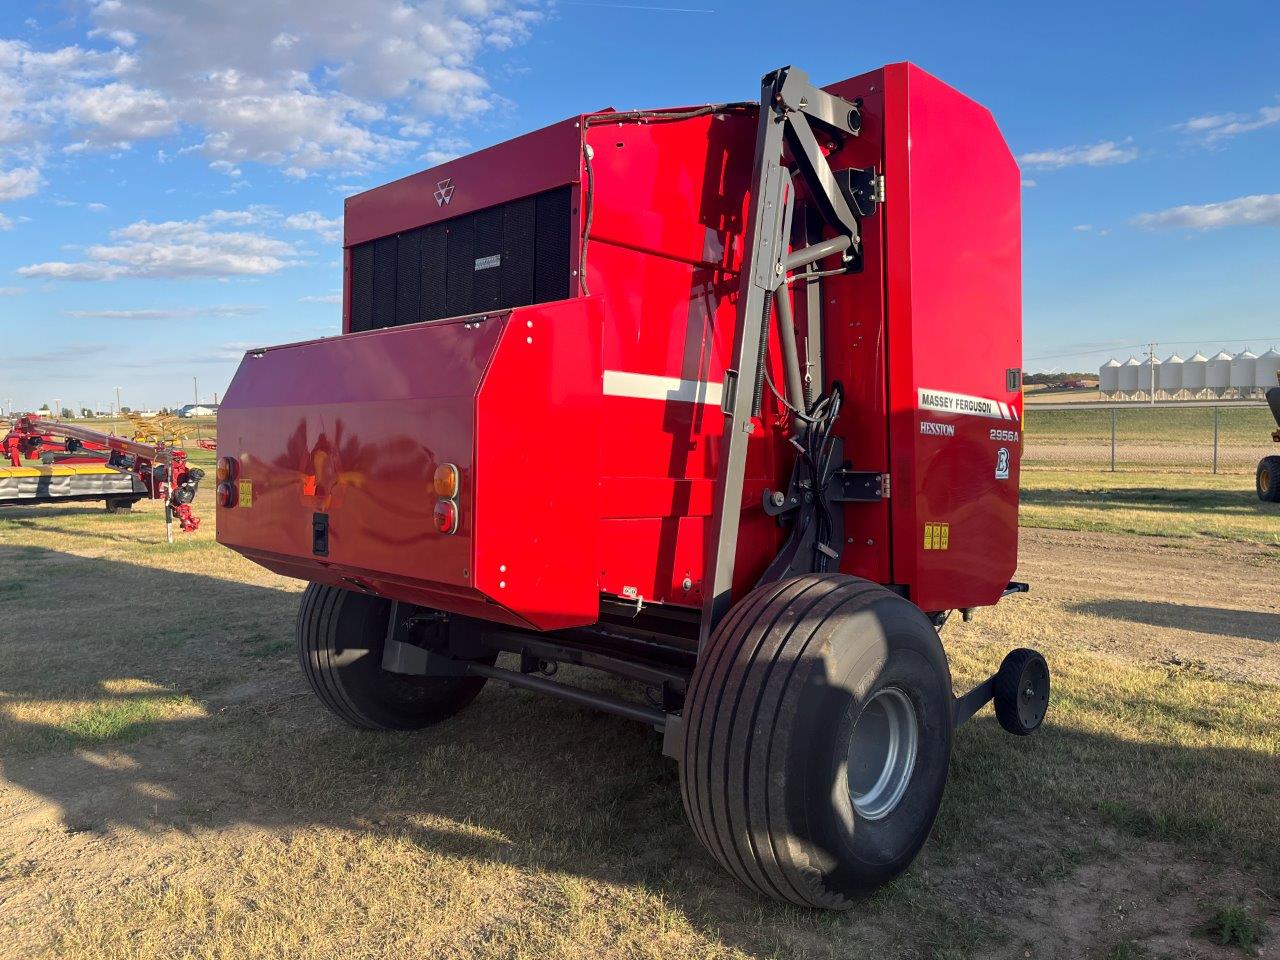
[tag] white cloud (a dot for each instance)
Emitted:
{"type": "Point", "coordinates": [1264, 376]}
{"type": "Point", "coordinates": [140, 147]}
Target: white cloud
{"type": "Point", "coordinates": [304, 87]}
{"type": "Point", "coordinates": [1106, 153]}
{"type": "Point", "coordinates": [1027, 183]}
{"type": "Point", "coordinates": [12, 291]}
{"type": "Point", "coordinates": [171, 313]}
{"type": "Point", "coordinates": [95, 207]}
{"type": "Point", "coordinates": [203, 247]}
{"type": "Point", "coordinates": [19, 182]}
{"type": "Point", "coordinates": [1219, 126]}
{"type": "Point", "coordinates": [1082, 227]}
{"type": "Point", "coordinates": [1257, 210]}
{"type": "Point", "coordinates": [327, 298]}
{"type": "Point", "coordinates": [329, 228]}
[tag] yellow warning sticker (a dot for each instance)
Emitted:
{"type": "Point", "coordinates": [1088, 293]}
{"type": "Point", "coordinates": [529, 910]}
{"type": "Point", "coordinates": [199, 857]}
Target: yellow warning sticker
{"type": "Point", "coordinates": [937, 536]}
{"type": "Point", "coordinates": [246, 493]}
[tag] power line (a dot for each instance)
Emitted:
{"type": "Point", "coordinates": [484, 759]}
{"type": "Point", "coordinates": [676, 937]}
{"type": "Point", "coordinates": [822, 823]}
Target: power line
{"type": "Point", "coordinates": [1120, 347]}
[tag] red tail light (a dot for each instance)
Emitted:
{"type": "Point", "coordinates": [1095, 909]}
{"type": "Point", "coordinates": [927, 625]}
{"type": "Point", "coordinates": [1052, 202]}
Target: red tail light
{"type": "Point", "coordinates": [226, 494]}
{"type": "Point", "coordinates": [228, 469]}
{"type": "Point", "coordinates": [446, 516]}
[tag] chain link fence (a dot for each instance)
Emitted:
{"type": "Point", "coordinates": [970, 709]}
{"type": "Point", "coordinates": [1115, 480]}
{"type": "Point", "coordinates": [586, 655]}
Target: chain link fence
{"type": "Point", "coordinates": [1189, 437]}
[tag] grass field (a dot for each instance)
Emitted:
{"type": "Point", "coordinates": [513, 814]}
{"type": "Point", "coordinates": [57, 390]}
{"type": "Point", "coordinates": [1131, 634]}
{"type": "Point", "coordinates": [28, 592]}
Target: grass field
{"type": "Point", "coordinates": [1179, 439]}
{"type": "Point", "coordinates": [170, 789]}
{"type": "Point", "coordinates": [1156, 504]}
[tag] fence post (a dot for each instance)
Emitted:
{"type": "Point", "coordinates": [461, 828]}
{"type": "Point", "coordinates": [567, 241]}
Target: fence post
{"type": "Point", "coordinates": [1216, 412]}
{"type": "Point", "coordinates": [1113, 440]}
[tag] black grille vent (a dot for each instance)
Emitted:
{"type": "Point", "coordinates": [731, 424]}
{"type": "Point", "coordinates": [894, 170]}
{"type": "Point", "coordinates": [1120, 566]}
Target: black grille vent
{"type": "Point", "coordinates": [510, 255]}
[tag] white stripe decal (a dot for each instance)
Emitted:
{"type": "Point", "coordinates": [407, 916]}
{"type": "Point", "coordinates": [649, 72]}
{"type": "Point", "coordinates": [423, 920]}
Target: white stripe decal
{"type": "Point", "coordinates": [645, 386]}
{"type": "Point", "coordinates": [962, 403]}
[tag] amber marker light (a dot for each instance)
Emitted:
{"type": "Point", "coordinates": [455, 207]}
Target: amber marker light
{"type": "Point", "coordinates": [446, 480]}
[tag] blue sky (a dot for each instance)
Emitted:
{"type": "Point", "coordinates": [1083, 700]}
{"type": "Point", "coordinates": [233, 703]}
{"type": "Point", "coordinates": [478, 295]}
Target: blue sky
{"type": "Point", "coordinates": [172, 171]}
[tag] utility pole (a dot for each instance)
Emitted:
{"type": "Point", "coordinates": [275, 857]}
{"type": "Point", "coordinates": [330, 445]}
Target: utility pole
{"type": "Point", "coordinates": [1151, 359]}
{"type": "Point", "coordinates": [195, 391]}
{"type": "Point", "coordinates": [118, 410]}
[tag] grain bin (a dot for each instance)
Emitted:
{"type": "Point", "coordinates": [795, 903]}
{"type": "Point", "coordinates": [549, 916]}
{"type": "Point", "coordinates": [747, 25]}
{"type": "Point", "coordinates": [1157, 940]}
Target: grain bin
{"type": "Point", "coordinates": [1218, 373]}
{"type": "Point", "coordinates": [1128, 380]}
{"type": "Point", "coordinates": [1109, 376]}
{"type": "Point", "coordinates": [1194, 371]}
{"type": "Point", "coordinates": [1267, 370]}
{"type": "Point", "coordinates": [1244, 366]}
{"type": "Point", "coordinates": [1169, 376]}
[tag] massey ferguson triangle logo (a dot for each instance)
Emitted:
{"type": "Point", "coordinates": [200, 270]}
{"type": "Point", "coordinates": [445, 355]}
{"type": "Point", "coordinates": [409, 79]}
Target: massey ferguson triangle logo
{"type": "Point", "coordinates": [444, 192]}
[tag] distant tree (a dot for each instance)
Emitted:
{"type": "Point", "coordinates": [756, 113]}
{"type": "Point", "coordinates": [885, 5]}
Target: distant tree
{"type": "Point", "coordinates": [86, 412]}
{"type": "Point", "coordinates": [124, 409]}
{"type": "Point", "coordinates": [68, 413]}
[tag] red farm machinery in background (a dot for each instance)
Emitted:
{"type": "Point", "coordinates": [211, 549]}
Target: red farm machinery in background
{"type": "Point", "coordinates": [50, 461]}
{"type": "Point", "coordinates": [723, 400]}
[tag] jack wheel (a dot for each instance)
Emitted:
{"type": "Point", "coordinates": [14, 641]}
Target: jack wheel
{"type": "Point", "coordinates": [1021, 691]}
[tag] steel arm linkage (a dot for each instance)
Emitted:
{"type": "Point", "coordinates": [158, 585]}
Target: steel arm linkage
{"type": "Point", "coordinates": [788, 102]}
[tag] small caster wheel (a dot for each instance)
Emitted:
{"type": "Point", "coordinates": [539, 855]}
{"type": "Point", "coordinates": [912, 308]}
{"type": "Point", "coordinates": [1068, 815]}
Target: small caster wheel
{"type": "Point", "coordinates": [1021, 691]}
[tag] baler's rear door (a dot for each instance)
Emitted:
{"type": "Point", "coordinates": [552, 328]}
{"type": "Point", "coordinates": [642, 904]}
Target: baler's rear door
{"type": "Point", "coordinates": [338, 443]}
{"type": "Point", "coordinates": [953, 281]}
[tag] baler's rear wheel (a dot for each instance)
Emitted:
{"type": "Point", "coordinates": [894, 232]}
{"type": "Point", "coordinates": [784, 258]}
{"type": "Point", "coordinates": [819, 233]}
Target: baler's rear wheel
{"type": "Point", "coordinates": [1269, 479]}
{"type": "Point", "coordinates": [817, 733]}
{"type": "Point", "coordinates": [340, 639]}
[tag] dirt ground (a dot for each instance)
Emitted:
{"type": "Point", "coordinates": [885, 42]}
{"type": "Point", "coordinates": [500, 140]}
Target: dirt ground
{"type": "Point", "coordinates": [1163, 600]}
{"type": "Point", "coordinates": [168, 788]}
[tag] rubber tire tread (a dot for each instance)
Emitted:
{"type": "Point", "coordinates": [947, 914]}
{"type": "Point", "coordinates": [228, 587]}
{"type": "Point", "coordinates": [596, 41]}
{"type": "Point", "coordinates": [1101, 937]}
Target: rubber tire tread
{"type": "Point", "coordinates": [1005, 690]}
{"type": "Point", "coordinates": [319, 629]}
{"type": "Point", "coordinates": [1272, 466]}
{"type": "Point", "coordinates": [733, 702]}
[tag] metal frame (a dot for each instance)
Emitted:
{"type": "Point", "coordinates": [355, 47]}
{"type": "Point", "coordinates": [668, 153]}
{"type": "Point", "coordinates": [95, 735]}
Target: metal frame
{"type": "Point", "coordinates": [788, 101]}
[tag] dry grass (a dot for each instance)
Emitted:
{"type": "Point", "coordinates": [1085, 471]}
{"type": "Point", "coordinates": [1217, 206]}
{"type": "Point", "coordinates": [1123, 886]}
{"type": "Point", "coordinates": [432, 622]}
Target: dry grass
{"type": "Point", "coordinates": [1155, 504]}
{"type": "Point", "coordinates": [170, 791]}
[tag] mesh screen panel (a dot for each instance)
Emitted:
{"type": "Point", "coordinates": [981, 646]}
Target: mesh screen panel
{"type": "Point", "coordinates": [510, 255]}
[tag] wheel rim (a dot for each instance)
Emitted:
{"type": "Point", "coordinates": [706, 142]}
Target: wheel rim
{"type": "Point", "coordinates": [1033, 694]}
{"type": "Point", "coordinates": [1264, 481]}
{"type": "Point", "coordinates": [882, 753]}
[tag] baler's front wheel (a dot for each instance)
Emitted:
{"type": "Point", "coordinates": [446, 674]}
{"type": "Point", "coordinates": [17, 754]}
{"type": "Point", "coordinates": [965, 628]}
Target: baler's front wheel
{"type": "Point", "coordinates": [340, 639]}
{"type": "Point", "coordinates": [817, 733]}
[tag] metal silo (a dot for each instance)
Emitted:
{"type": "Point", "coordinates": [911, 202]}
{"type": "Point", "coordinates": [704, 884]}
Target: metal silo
{"type": "Point", "coordinates": [1169, 376]}
{"type": "Point", "coordinates": [1148, 373]}
{"type": "Point", "coordinates": [1244, 368]}
{"type": "Point", "coordinates": [1128, 379]}
{"type": "Point", "coordinates": [1217, 375]}
{"type": "Point", "coordinates": [1194, 370]}
{"type": "Point", "coordinates": [1109, 377]}
{"type": "Point", "coordinates": [1268, 370]}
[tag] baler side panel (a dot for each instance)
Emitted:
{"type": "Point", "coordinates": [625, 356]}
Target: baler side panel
{"type": "Point", "coordinates": [955, 333]}
{"type": "Point", "coordinates": [538, 435]}
{"type": "Point", "coordinates": [354, 427]}
{"type": "Point", "coordinates": [664, 250]}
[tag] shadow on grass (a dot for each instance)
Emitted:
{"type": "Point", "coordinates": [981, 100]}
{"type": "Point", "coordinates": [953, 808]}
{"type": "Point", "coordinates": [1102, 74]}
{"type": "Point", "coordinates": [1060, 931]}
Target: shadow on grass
{"type": "Point", "coordinates": [1241, 502]}
{"type": "Point", "coordinates": [1184, 616]}
{"type": "Point", "coordinates": [516, 779]}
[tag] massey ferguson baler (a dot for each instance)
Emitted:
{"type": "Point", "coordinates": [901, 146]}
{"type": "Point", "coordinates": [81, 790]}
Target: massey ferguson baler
{"type": "Point", "coordinates": [724, 401]}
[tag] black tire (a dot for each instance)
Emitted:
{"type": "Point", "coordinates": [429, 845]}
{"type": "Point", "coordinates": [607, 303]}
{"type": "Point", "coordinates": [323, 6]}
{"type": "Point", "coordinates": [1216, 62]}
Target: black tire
{"type": "Point", "coordinates": [1269, 479]}
{"type": "Point", "coordinates": [119, 506]}
{"type": "Point", "coordinates": [769, 718]}
{"type": "Point", "coordinates": [340, 640]}
{"type": "Point", "coordinates": [1021, 691]}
